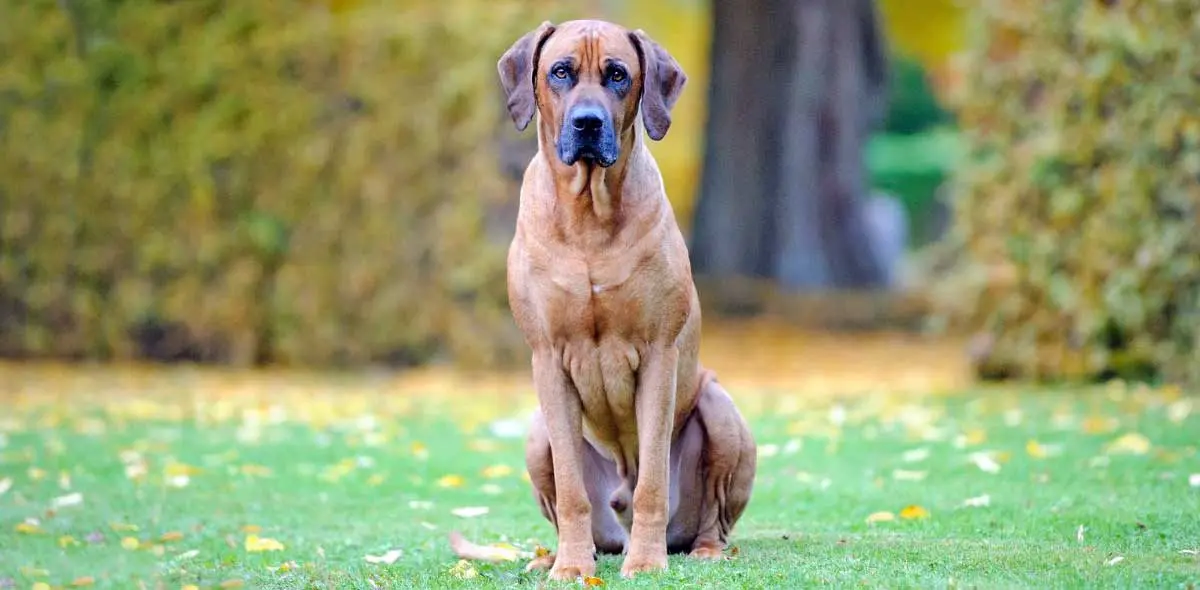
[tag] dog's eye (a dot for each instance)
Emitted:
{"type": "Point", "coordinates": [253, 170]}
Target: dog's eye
{"type": "Point", "coordinates": [560, 72]}
{"type": "Point", "coordinates": [617, 75]}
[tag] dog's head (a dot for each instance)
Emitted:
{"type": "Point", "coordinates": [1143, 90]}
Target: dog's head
{"type": "Point", "coordinates": [589, 80]}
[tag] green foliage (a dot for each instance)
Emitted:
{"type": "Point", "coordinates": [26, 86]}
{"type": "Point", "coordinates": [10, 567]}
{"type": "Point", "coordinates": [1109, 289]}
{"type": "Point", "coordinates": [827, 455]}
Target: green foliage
{"type": "Point", "coordinates": [913, 168]}
{"type": "Point", "coordinates": [912, 105]}
{"type": "Point", "coordinates": [250, 181]}
{"type": "Point", "coordinates": [1079, 207]}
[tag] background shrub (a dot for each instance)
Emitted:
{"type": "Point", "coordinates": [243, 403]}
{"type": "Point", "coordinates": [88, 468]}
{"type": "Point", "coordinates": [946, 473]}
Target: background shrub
{"type": "Point", "coordinates": [245, 182]}
{"type": "Point", "coordinates": [1077, 221]}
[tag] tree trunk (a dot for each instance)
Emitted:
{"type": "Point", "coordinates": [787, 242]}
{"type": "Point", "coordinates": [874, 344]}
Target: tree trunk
{"type": "Point", "coordinates": [796, 85]}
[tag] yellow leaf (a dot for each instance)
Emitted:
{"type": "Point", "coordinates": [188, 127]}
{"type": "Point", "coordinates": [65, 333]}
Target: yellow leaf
{"type": "Point", "coordinates": [376, 480]}
{"type": "Point", "coordinates": [251, 529]}
{"type": "Point", "coordinates": [451, 481]}
{"type": "Point", "coordinates": [190, 587]}
{"type": "Point", "coordinates": [120, 527]}
{"type": "Point", "coordinates": [914, 512]}
{"type": "Point", "coordinates": [232, 584]}
{"type": "Point", "coordinates": [36, 473]}
{"type": "Point", "coordinates": [463, 570]}
{"type": "Point", "coordinates": [540, 551]}
{"type": "Point", "coordinates": [41, 586]}
{"type": "Point", "coordinates": [83, 581]}
{"type": "Point", "coordinates": [883, 516]}
{"type": "Point", "coordinates": [130, 543]}
{"type": "Point", "coordinates": [592, 581]}
{"type": "Point", "coordinates": [167, 537]}
{"type": "Point", "coordinates": [1099, 424]}
{"type": "Point", "coordinates": [173, 470]}
{"type": "Point", "coordinates": [256, 470]}
{"type": "Point", "coordinates": [1035, 449]}
{"type": "Point", "coordinates": [67, 541]}
{"type": "Point", "coordinates": [255, 544]}
{"type": "Point", "coordinates": [497, 471]}
{"type": "Point", "coordinates": [419, 450]}
{"type": "Point", "coordinates": [28, 528]}
{"type": "Point", "coordinates": [1130, 444]}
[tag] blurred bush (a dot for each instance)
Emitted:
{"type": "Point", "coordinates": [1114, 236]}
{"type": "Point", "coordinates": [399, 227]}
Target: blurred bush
{"type": "Point", "coordinates": [291, 181]}
{"type": "Point", "coordinates": [1077, 221]}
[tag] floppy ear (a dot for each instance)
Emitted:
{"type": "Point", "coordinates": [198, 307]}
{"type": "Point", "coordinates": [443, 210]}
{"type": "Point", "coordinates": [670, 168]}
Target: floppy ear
{"type": "Point", "coordinates": [517, 68]}
{"type": "Point", "coordinates": [662, 83]}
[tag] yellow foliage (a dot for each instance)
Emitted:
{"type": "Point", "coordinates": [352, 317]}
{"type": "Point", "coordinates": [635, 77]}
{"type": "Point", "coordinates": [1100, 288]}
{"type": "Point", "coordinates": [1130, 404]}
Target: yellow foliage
{"type": "Point", "coordinates": [290, 181]}
{"type": "Point", "coordinates": [1077, 216]}
{"type": "Point", "coordinates": [930, 31]}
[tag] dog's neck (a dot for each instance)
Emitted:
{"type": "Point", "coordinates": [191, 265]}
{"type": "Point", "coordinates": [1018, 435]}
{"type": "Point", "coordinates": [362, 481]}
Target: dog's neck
{"type": "Point", "coordinates": [586, 188]}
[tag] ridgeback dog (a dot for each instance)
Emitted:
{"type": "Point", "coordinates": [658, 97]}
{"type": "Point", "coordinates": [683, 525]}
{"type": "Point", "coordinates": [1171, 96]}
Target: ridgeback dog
{"type": "Point", "coordinates": [635, 447]}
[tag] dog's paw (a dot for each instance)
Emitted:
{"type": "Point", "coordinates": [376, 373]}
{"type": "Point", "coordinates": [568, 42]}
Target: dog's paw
{"type": "Point", "coordinates": [571, 570]}
{"type": "Point", "coordinates": [707, 552]}
{"type": "Point", "coordinates": [643, 563]}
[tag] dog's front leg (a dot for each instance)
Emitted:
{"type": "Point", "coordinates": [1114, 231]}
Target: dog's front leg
{"type": "Point", "coordinates": [563, 411]}
{"type": "Point", "coordinates": [655, 407]}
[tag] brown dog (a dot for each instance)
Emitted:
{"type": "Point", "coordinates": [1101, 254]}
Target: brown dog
{"type": "Point", "coordinates": [600, 284]}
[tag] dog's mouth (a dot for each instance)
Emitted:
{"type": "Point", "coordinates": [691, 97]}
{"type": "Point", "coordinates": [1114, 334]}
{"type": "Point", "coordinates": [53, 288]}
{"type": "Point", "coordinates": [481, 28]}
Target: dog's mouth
{"type": "Point", "coordinates": [592, 156]}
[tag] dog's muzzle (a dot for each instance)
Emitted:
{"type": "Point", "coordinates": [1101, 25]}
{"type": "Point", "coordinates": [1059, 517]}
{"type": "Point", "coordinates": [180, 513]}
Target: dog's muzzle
{"type": "Point", "coordinates": [587, 134]}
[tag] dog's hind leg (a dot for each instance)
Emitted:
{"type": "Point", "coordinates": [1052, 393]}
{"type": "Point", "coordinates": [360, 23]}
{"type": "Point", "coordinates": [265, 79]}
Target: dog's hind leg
{"type": "Point", "coordinates": [727, 466]}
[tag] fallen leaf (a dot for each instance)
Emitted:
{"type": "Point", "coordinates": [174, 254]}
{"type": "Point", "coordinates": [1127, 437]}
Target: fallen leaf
{"type": "Point", "coordinates": [419, 451]}
{"type": "Point", "coordinates": [5, 485]}
{"type": "Point", "coordinates": [1079, 533]}
{"type": "Point", "coordinates": [1115, 560]}
{"type": "Point", "coordinates": [170, 536]}
{"type": "Point", "coordinates": [179, 481]}
{"type": "Point", "coordinates": [985, 462]}
{"type": "Point", "coordinates": [120, 527]}
{"type": "Point", "coordinates": [905, 475]}
{"type": "Point", "coordinates": [1192, 552]}
{"type": "Point", "coordinates": [235, 583]}
{"type": "Point", "coordinates": [1099, 424]}
{"type": "Point", "coordinates": [463, 570]}
{"type": "Point", "coordinates": [978, 501]}
{"type": "Point", "coordinates": [1035, 449]}
{"type": "Point", "coordinates": [450, 481]}
{"type": "Point", "coordinates": [130, 543]}
{"type": "Point", "coordinates": [386, 559]}
{"type": "Point", "coordinates": [1129, 444]}
{"type": "Point", "coordinates": [592, 581]}
{"type": "Point", "coordinates": [94, 537]}
{"type": "Point", "coordinates": [465, 549]}
{"type": "Point", "coordinates": [496, 471]}
{"type": "Point", "coordinates": [67, 541]}
{"type": "Point", "coordinates": [255, 544]}
{"type": "Point", "coordinates": [61, 502]}
{"type": "Point", "coordinates": [41, 586]}
{"type": "Point", "coordinates": [914, 512]}
{"type": "Point", "coordinates": [251, 529]}
{"type": "Point", "coordinates": [540, 551]}
{"type": "Point", "coordinates": [1194, 480]}
{"type": "Point", "coordinates": [880, 517]}
{"type": "Point", "coordinates": [190, 587]}
{"type": "Point", "coordinates": [28, 528]}
{"type": "Point", "coordinates": [190, 553]}
{"type": "Point", "coordinates": [83, 581]}
{"type": "Point", "coordinates": [282, 568]}
{"type": "Point", "coordinates": [420, 504]}
{"type": "Point", "coordinates": [376, 480]}
{"type": "Point", "coordinates": [768, 450]}
{"type": "Point", "coordinates": [1178, 411]}
{"type": "Point", "coordinates": [33, 572]}
{"type": "Point", "coordinates": [36, 473]}
{"type": "Point", "coordinates": [470, 511]}
{"type": "Point", "coordinates": [916, 455]}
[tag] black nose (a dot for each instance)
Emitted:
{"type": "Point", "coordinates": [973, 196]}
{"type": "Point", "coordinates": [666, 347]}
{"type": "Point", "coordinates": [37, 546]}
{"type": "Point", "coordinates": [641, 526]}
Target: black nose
{"type": "Point", "coordinates": [587, 120]}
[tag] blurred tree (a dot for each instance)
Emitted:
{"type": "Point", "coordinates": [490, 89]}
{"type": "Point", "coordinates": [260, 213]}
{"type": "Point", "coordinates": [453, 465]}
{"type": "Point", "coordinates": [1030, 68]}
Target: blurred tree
{"type": "Point", "coordinates": [796, 86]}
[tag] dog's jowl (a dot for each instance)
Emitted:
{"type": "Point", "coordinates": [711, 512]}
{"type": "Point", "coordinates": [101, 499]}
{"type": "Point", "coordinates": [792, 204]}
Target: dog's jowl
{"type": "Point", "coordinates": [636, 448]}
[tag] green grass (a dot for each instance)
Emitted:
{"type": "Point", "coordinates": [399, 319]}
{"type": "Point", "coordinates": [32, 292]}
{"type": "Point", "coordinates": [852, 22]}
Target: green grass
{"type": "Point", "coordinates": [818, 482]}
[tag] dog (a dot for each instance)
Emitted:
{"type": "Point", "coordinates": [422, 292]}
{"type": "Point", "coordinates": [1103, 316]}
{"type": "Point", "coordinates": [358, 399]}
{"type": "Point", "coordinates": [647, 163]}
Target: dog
{"type": "Point", "coordinates": [635, 448]}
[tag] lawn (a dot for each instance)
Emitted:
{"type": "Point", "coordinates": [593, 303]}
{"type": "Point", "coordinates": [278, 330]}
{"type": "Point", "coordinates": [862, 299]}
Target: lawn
{"type": "Point", "coordinates": [128, 478]}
